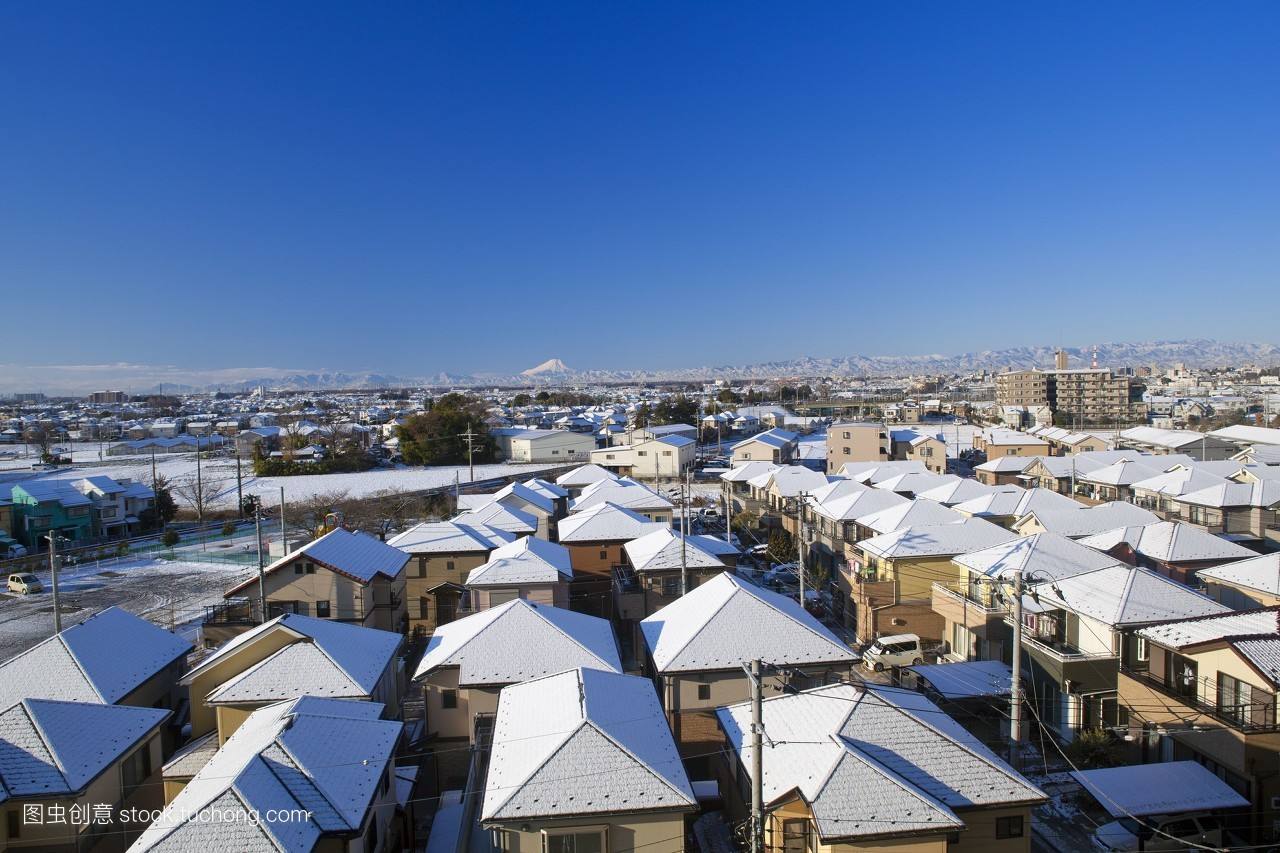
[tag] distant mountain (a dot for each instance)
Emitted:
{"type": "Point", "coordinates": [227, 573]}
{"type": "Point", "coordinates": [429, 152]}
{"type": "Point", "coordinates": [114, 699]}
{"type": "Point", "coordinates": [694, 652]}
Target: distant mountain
{"type": "Point", "coordinates": [139, 378]}
{"type": "Point", "coordinates": [550, 367]}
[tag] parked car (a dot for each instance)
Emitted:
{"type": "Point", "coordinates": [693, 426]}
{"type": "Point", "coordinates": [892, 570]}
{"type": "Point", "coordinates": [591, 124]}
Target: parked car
{"type": "Point", "coordinates": [24, 583]}
{"type": "Point", "coordinates": [12, 550]}
{"type": "Point", "coordinates": [896, 650]}
{"type": "Point", "coordinates": [1153, 833]}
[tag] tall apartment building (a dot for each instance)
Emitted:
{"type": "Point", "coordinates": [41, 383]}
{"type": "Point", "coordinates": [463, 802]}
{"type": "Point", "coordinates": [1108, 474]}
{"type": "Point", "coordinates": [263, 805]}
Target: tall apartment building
{"type": "Point", "coordinates": [107, 398]}
{"type": "Point", "coordinates": [1088, 394]}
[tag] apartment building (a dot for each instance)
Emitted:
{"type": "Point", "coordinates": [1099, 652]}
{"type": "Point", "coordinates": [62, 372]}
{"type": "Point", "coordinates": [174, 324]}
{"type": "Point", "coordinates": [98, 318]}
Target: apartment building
{"type": "Point", "coordinates": [1086, 395]}
{"type": "Point", "coordinates": [858, 441]}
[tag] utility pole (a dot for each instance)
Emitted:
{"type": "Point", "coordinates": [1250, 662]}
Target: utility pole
{"type": "Point", "coordinates": [239, 485]}
{"type": "Point", "coordinates": [684, 532]}
{"type": "Point", "coordinates": [800, 501]}
{"type": "Point", "coordinates": [757, 759]}
{"type": "Point", "coordinates": [154, 481]}
{"type": "Point", "coordinates": [470, 436]}
{"type": "Point", "coordinates": [52, 536]}
{"type": "Point", "coordinates": [1015, 686]}
{"type": "Point", "coordinates": [254, 504]}
{"type": "Point", "coordinates": [284, 537]}
{"type": "Point", "coordinates": [199, 494]}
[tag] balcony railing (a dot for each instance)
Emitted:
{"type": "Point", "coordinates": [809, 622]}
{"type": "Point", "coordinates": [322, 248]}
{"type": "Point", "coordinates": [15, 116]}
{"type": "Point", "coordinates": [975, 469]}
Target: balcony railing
{"type": "Point", "coordinates": [1062, 650]}
{"type": "Point", "coordinates": [959, 594]}
{"type": "Point", "coordinates": [1255, 718]}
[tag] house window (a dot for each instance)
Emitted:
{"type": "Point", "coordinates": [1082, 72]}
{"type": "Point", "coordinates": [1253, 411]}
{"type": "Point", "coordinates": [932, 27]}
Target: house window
{"type": "Point", "coordinates": [1144, 651]}
{"type": "Point", "coordinates": [604, 554]}
{"type": "Point", "coordinates": [845, 450]}
{"type": "Point", "coordinates": [1009, 827]}
{"type": "Point", "coordinates": [449, 566]}
{"type": "Point", "coordinates": [297, 568]}
{"type": "Point", "coordinates": [796, 837]}
{"type": "Point", "coordinates": [670, 586]}
{"type": "Point", "coordinates": [704, 692]}
{"type": "Point", "coordinates": [448, 699]}
{"type": "Point", "coordinates": [136, 768]}
{"type": "Point", "coordinates": [642, 453]}
{"type": "Point", "coordinates": [322, 609]}
{"type": "Point", "coordinates": [574, 842]}
{"type": "Point", "coordinates": [555, 453]}
{"type": "Point", "coordinates": [311, 568]}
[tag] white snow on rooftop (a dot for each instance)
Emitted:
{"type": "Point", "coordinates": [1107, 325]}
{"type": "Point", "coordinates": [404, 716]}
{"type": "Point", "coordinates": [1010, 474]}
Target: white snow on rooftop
{"type": "Point", "coordinates": [526, 560]}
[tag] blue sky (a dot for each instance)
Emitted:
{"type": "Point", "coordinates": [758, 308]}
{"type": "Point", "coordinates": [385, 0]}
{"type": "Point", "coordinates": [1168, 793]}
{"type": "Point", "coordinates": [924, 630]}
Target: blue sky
{"type": "Point", "coordinates": [415, 187]}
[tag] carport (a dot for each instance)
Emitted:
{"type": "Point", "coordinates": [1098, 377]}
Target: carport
{"type": "Point", "coordinates": [1171, 787]}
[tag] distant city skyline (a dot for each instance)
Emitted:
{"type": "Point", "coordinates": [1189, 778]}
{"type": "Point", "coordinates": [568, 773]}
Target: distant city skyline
{"type": "Point", "coordinates": [469, 188]}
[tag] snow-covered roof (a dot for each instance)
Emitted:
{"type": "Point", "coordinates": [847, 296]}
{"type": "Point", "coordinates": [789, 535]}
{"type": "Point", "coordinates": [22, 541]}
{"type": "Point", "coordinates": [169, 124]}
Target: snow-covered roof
{"type": "Point", "coordinates": [521, 494]}
{"type": "Point", "coordinates": [585, 475]}
{"type": "Point", "coordinates": [324, 657]}
{"type": "Point", "coordinates": [102, 659]}
{"type": "Point", "coordinates": [788, 481]}
{"type": "Point", "coordinates": [662, 549]}
{"type": "Point", "coordinates": [775, 438]}
{"type": "Point", "coordinates": [937, 540]}
{"type": "Point", "coordinates": [326, 757]}
{"type": "Point", "coordinates": [914, 482]}
{"type": "Point", "coordinates": [546, 488]}
{"type": "Point", "coordinates": [1179, 481]}
{"type": "Point", "coordinates": [498, 516]}
{"type": "Point", "coordinates": [526, 560]}
{"type": "Point", "coordinates": [1016, 503]}
{"type": "Point", "coordinates": [874, 472]}
{"type": "Point", "coordinates": [1265, 493]}
{"type": "Point", "coordinates": [356, 555]}
{"type": "Point", "coordinates": [958, 491]}
{"type": "Point", "coordinates": [623, 492]}
{"type": "Point", "coordinates": [969, 679]}
{"type": "Point", "coordinates": [50, 748]}
{"type": "Point", "coordinates": [517, 641]}
{"type": "Point", "coordinates": [449, 537]}
{"type": "Point", "coordinates": [605, 522]}
{"type": "Point", "coordinates": [1040, 555]}
{"type": "Point", "coordinates": [1246, 434]}
{"type": "Point", "coordinates": [873, 761]}
{"type": "Point", "coordinates": [727, 621]}
{"type": "Point", "coordinates": [747, 471]}
{"type": "Point", "coordinates": [1156, 437]}
{"type": "Point", "coordinates": [1257, 573]}
{"type": "Point", "coordinates": [582, 742]}
{"type": "Point", "coordinates": [1166, 787]}
{"type": "Point", "coordinates": [1086, 521]}
{"type": "Point", "coordinates": [1008, 464]}
{"type": "Point", "coordinates": [1126, 595]}
{"type": "Point", "coordinates": [854, 505]}
{"type": "Point", "coordinates": [1251, 624]}
{"type": "Point", "coordinates": [1169, 542]}
{"type": "Point", "coordinates": [1122, 473]}
{"type": "Point", "coordinates": [916, 512]}
{"type": "Point", "coordinates": [61, 491]}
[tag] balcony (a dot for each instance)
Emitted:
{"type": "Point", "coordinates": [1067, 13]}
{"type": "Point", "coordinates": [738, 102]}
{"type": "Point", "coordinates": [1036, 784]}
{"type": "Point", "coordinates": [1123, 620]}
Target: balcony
{"type": "Point", "coordinates": [954, 603]}
{"type": "Point", "coordinates": [1061, 650]}
{"type": "Point", "coordinates": [1249, 719]}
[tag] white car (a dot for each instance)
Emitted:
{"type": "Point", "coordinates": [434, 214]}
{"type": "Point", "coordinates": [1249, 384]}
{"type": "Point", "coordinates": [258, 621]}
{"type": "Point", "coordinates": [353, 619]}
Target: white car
{"type": "Point", "coordinates": [1122, 836]}
{"type": "Point", "coordinates": [24, 583]}
{"type": "Point", "coordinates": [896, 650]}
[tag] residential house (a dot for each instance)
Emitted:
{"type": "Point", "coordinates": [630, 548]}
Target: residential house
{"type": "Point", "coordinates": [657, 431]}
{"type": "Point", "coordinates": [529, 568]}
{"type": "Point", "coordinates": [579, 478]}
{"type": "Point", "coordinates": [1160, 493]}
{"type": "Point", "coordinates": [1073, 632]}
{"type": "Point", "coordinates": [656, 566]}
{"type": "Point", "coordinates": [1204, 689]}
{"type": "Point", "coordinates": [665, 457]}
{"type": "Point", "coordinates": [595, 537]}
{"type": "Point", "coordinates": [117, 504]}
{"type": "Point", "coordinates": [1243, 511]}
{"type": "Point", "coordinates": [913, 445]}
{"type": "Point", "coordinates": [870, 768]}
{"type": "Point", "coordinates": [42, 507]}
{"type": "Point", "coordinates": [499, 517]}
{"type": "Point", "coordinates": [628, 494]}
{"type": "Point", "coordinates": [778, 492]}
{"type": "Point", "coordinates": [349, 577]}
{"type": "Point", "coordinates": [1086, 521]}
{"type": "Point", "coordinates": [311, 773]}
{"type": "Point", "coordinates": [468, 662]}
{"type": "Point", "coordinates": [113, 657]}
{"type": "Point", "coordinates": [736, 483]}
{"type": "Point", "coordinates": [1059, 474]}
{"type": "Point", "coordinates": [546, 502]}
{"type": "Point", "coordinates": [442, 554]}
{"type": "Point", "coordinates": [1005, 470]}
{"type": "Point", "coordinates": [873, 473]}
{"type": "Point", "coordinates": [914, 482]}
{"type": "Point", "coordinates": [288, 657]}
{"type": "Point", "coordinates": [776, 445]}
{"type": "Point", "coordinates": [1245, 584]}
{"type": "Point", "coordinates": [1115, 481]}
{"type": "Point", "coordinates": [858, 441]}
{"type": "Point", "coordinates": [1169, 548]}
{"type": "Point", "coordinates": [899, 515]}
{"type": "Point", "coordinates": [537, 799]}
{"type": "Point", "coordinates": [892, 574]}
{"type": "Point", "coordinates": [543, 445]}
{"type": "Point", "coordinates": [958, 491]}
{"type": "Point", "coordinates": [1198, 445]}
{"type": "Point", "coordinates": [66, 761]}
{"type": "Point", "coordinates": [996, 443]}
{"type": "Point", "coordinates": [973, 603]}
{"type": "Point", "coordinates": [696, 648]}
{"type": "Point", "coordinates": [1006, 507]}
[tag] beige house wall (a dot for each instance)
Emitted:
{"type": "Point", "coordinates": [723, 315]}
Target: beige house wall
{"type": "Point", "coordinates": [856, 442]}
{"type": "Point", "coordinates": [658, 831]}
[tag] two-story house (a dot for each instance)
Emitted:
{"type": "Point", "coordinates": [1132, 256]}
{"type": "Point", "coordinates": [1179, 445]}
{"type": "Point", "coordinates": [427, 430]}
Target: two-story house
{"type": "Point", "coordinates": [595, 537]}
{"type": "Point", "coordinates": [442, 554]}
{"type": "Point", "coordinates": [345, 576]}
{"type": "Point", "coordinates": [1244, 584]}
{"type": "Point", "coordinates": [43, 507]}
{"type": "Point", "coordinates": [1173, 549]}
{"type": "Point", "coordinates": [529, 568]}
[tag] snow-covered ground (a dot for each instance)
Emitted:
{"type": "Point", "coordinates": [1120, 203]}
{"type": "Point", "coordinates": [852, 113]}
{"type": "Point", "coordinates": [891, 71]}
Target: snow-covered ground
{"type": "Point", "coordinates": [171, 594]}
{"type": "Point", "coordinates": [178, 468]}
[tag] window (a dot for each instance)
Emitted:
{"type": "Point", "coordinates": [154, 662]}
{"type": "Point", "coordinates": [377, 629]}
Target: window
{"type": "Point", "coordinates": [845, 450]}
{"type": "Point", "coordinates": [311, 568]}
{"type": "Point", "coordinates": [448, 698]}
{"type": "Point", "coordinates": [642, 453]}
{"type": "Point", "coordinates": [422, 567]}
{"type": "Point", "coordinates": [671, 586]}
{"type": "Point", "coordinates": [1144, 651]}
{"type": "Point", "coordinates": [704, 692]}
{"type": "Point", "coordinates": [297, 568]}
{"type": "Point", "coordinates": [574, 842]}
{"type": "Point", "coordinates": [322, 609]}
{"type": "Point", "coordinates": [846, 436]}
{"type": "Point", "coordinates": [136, 768]}
{"type": "Point", "coordinates": [502, 596]}
{"type": "Point", "coordinates": [1009, 827]}
{"type": "Point", "coordinates": [795, 836]}
{"type": "Point", "coordinates": [555, 453]}
{"type": "Point", "coordinates": [448, 566]}
{"type": "Point", "coordinates": [604, 554]}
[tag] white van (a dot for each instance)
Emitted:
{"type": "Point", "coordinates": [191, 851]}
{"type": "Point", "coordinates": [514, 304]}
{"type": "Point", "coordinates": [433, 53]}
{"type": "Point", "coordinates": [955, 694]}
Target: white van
{"type": "Point", "coordinates": [898, 650]}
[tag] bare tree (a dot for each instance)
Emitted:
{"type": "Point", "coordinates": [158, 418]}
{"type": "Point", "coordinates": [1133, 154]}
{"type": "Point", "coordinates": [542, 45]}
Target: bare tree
{"type": "Point", "coordinates": [307, 515]}
{"type": "Point", "coordinates": [200, 494]}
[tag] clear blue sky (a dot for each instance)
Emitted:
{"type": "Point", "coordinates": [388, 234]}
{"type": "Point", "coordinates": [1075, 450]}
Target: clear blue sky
{"type": "Point", "coordinates": [469, 186]}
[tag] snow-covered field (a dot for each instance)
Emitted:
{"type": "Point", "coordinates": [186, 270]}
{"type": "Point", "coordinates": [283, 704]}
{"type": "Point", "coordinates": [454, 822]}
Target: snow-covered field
{"type": "Point", "coordinates": [178, 468]}
{"type": "Point", "coordinates": [171, 594]}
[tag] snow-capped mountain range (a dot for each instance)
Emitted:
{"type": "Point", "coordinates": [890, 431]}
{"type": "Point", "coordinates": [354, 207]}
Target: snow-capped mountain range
{"type": "Point", "coordinates": [136, 378]}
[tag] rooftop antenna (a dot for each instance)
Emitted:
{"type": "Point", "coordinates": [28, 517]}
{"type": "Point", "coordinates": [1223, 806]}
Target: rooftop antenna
{"type": "Point", "coordinates": [1095, 357]}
